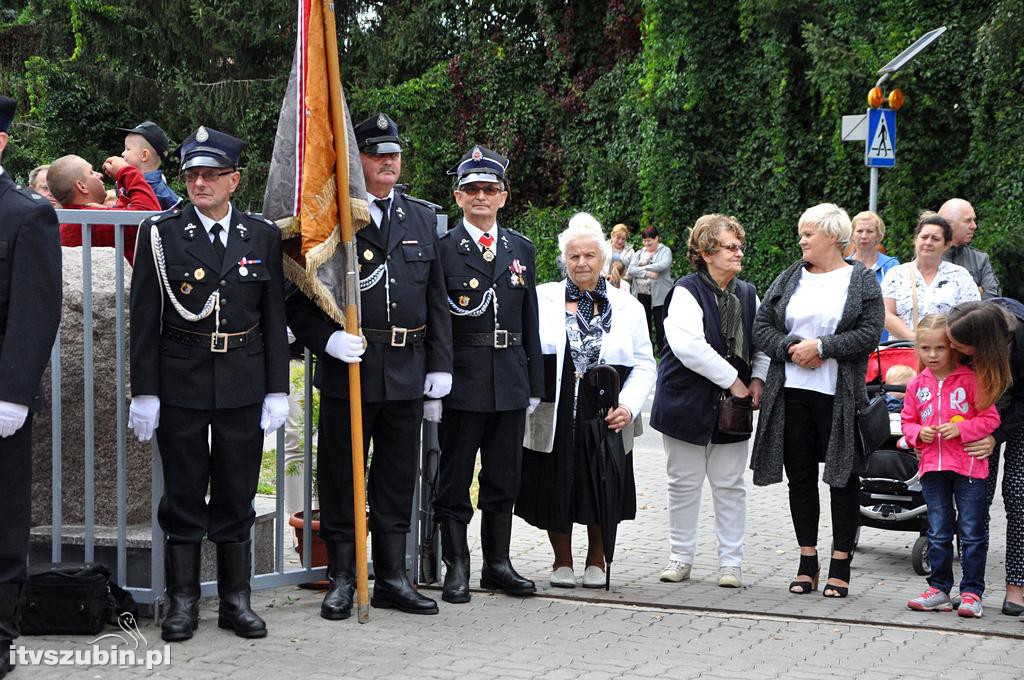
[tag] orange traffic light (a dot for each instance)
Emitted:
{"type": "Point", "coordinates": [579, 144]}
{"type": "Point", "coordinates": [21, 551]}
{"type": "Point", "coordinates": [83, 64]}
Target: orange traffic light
{"type": "Point", "coordinates": [896, 100]}
{"type": "Point", "coordinates": [875, 97]}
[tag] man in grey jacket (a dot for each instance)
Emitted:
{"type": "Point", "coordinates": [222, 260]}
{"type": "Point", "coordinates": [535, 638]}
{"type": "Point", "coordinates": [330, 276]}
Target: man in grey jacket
{"type": "Point", "coordinates": [960, 215]}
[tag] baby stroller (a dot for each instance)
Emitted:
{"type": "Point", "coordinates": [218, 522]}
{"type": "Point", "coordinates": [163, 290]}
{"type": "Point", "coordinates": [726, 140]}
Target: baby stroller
{"type": "Point", "coordinates": [890, 488]}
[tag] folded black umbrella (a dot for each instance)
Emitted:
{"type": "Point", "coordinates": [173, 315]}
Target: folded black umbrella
{"type": "Point", "coordinates": [606, 459]}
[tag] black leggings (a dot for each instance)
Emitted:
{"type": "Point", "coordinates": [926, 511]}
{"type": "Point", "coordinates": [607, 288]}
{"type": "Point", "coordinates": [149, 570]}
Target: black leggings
{"type": "Point", "coordinates": [808, 423]}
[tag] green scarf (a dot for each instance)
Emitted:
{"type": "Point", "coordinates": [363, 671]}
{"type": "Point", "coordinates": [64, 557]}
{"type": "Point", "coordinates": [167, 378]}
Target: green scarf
{"type": "Point", "coordinates": [730, 311]}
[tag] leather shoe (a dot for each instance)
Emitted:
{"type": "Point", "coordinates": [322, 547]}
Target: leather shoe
{"type": "Point", "coordinates": [1012, 608]}
{"type": "Point", "coordinates": [391, 587]}
{"type": "Point", "coordinates": [341, 558]}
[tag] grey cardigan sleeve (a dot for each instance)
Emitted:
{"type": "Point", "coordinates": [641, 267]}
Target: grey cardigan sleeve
{"type": "Point", "coordinates": [770, 321]}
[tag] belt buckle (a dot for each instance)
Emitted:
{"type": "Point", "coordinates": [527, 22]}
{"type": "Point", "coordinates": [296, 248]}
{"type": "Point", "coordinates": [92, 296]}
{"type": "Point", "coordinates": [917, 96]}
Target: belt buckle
{"type": "Point", "coordinates": [395, 342]}
{"type": "Point", "coordinates": [501, 343]}
{"type": "Point", "coordinates": [216, 340]}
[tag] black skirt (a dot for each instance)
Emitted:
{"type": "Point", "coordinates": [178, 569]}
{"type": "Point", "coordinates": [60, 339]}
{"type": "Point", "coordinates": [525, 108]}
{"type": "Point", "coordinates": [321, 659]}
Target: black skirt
{"type": "Point", "coordinates": [555, 490]}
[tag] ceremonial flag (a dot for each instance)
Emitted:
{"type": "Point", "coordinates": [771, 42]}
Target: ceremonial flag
{"type": "Point", "coordinates": [301, 195]}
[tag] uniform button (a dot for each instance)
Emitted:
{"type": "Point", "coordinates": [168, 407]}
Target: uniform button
{"type": "Point", "coordinates": [497, 325]}
{"type": "Point", "coordinates": [389, 257]}
{"type": "Point", "coordinates": [394, 305]}
{"type": "Point", "coordinates": [393, 281]}
{"type": "Point", "coordinates": [494, 285]}
{"type": "Point", "coordinates": [223, 283]}
{"type": "Point", "coordinates": [223, 301]}
{"type": "Point", "coordinates": [223, 322]}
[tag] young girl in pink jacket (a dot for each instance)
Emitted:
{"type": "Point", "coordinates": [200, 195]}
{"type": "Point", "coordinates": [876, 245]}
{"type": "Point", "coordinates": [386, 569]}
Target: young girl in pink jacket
{"type": "Point", "coordinates": [942, 410]}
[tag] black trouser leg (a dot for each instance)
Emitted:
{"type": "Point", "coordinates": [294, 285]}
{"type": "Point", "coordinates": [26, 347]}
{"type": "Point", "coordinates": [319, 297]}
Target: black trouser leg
{"type": "Point", "coordinates": [15, 503]}
{"type": "Point", "coordinates": [183, 591]}
{"type": "Point", "coordinates": [10, 608]}
{"type": "Point", "coordinates": [234, 564]}
{"type": "Point", "coordinates": [808, 422]}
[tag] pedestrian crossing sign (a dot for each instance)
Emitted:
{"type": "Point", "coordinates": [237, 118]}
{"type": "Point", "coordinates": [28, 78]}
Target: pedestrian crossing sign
{"type": "Point", "coordinates": [880, 149]}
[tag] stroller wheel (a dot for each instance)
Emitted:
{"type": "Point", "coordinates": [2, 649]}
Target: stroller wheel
{"type": "Point", "coordinates": [919, 556]}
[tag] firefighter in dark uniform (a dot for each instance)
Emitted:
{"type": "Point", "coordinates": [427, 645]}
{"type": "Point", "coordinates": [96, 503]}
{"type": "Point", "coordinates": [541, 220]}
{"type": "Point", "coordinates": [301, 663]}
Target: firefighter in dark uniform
{"type": "Point", "coordinates": [30, 305]}
{"type": "Point", "coordinates": [209, 371]}
{"type": "Point", "coordinates": [407, 356]}
{"type": "Point", "coordinates": [490, 277]}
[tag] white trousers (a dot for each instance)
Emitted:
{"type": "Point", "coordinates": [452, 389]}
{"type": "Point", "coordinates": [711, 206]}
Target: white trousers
{"type": "Point", "coordinates": [723, 464]}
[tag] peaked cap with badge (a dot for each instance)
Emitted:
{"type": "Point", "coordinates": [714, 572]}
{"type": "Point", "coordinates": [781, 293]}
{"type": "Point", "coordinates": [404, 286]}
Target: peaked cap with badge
{"type": "Point", "coordinates": [480, 164]}
{"type": "Point", "coordinates": [378, 134]}
{"type": "Point", "coordinates": [209, 148]}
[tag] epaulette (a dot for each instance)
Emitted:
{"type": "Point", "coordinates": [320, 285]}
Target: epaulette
{"type": "Point", "coordinates": [434, 207]}
{"type": "Point", "coordinates": [260, 218]}
{"type": "Point", "coordinates": [30, 194]}
{"type": "Point", "coordinates": [519, 234]}
{"type": "Point", "coordinates": [167, 214]}
{"type": "Point", "coordinates": [445, 234]}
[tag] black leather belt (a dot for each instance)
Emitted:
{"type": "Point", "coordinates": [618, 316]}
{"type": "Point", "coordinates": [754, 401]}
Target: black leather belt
{"type": "Point", "coordinates": [215, 342]}
{"type": "Point", "coordinates": [396, 337]}
{"type": "Point", "coordinates": [497, 339]}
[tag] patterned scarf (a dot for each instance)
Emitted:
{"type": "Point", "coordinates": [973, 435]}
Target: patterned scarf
{"type": "Point", "coordinates": [730, 311]}
{"type": "Point", "coordinates": [585, 300]}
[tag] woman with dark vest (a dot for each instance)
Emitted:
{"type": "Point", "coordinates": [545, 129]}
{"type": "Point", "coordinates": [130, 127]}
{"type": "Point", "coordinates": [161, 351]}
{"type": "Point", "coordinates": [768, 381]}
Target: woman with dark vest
{"type": "Point", "coordinates": [818, 322]}
{"type": "Point", "coordinates": [708, 354]}
{"type": "Point", "coordinates": [584, 323]}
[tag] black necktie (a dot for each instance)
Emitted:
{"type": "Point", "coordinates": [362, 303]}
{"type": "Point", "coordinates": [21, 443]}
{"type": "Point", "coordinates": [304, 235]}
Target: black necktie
{"type": "Point", "coordinates": [385, 218]}
{"type": "Point", "coordinates": [218, 245]}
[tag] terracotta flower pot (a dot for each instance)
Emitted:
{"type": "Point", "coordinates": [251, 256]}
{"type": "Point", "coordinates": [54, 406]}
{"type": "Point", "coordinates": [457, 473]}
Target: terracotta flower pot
{"type": "Point", "coordinates": [318, 548]}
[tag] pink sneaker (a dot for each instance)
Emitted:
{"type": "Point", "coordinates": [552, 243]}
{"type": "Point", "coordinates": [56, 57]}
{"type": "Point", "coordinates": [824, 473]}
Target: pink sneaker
{"type": "Point", "coordinates": [931, 600]}
{"type": "Point", "coordinates": [970, 606]}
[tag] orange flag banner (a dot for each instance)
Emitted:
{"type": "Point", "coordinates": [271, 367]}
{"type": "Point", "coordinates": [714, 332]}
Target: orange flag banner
{"type": "Point", "coordinates": [301, 195]}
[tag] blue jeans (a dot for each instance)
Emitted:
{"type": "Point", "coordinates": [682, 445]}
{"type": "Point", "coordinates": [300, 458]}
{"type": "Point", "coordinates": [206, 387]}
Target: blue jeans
{"type": "Point", "coordinates": [940, 489]}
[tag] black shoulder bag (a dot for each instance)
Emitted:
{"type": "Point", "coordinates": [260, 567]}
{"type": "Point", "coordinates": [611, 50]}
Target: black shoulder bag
{"type": "Point", "coordinates": [873, 419]}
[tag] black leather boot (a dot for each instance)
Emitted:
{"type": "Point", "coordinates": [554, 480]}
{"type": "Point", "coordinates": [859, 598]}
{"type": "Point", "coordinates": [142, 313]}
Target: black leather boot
{"type": "Point", "coordinates": [497, 572]}
{"type": "Point", "coordinates": [233, 586]}
{"type": "Point", "coordinates": [10, 606]}
{"type": "Point", "coordinates": [391, 587]}
{"type": "Point", "coordinates": [341, 561]}
{"type": "Point", "coordinates": [182, 574]}
{"type": "Point", "coordinates": [455, 555]}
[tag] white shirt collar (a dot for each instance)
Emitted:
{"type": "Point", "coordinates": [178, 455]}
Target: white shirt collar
{"type": "Point", "coordinates": [376, 212]}
{"type": "Point", "coordinates": [208, 223]}
{"type": "Point", "coordinates": [1, 169]}
{"type": "Point", "coordinates": [475, 232]}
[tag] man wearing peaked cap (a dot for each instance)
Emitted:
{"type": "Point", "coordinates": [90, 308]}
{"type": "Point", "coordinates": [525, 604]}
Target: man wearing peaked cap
{"type": "Point", "coordinates": [209, 370]}
{"type": "Point", "coordinates": [30, 305]}
{"type": "Point", "coordinates": [490, 279]}
{"type": "Point", "coordinates": [145, 147]}
{"type": "Point", "coordinates": [408, 356]}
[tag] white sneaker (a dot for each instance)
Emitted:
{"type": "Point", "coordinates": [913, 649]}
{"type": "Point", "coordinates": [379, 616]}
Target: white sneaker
{"type": "Point", "coordinates": [593, 577]}
{"type": "Point", "coordinates": [563, 577]}
{"type": "Point", "coordinates": [730, 577]}
{"type": "Point", "coordinates": [676, 571]}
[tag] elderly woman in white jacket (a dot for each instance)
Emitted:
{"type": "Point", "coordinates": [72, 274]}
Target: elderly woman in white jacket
{"type": "Point", "coordinates": [583, 323]}
{"type": "Point", "coordinates": [708, 330]}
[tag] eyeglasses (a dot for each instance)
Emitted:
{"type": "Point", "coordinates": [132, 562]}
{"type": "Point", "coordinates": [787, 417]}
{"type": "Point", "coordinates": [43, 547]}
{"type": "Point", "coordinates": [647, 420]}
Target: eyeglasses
{"type": "Point", "coordinates": [208, 177]}
{"type": "Point", "coordinates": [733, 247]}
{"type": "Point", "coordinates": [474, 189]}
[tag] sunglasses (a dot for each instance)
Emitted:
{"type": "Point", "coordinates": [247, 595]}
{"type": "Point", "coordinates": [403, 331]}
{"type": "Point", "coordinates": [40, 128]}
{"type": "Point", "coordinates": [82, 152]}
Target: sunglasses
{"type": "Point", "coordinates": [474, 189]}
{"type": "Point", "coordinates": [208, 177]}
{"type": "Point", "coordinates": [733, 248]}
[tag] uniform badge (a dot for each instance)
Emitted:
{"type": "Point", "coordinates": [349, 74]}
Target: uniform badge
{"type": "Point", "coordinates": [382, 122]}
{"type": "Point", "coordinates": [201, 134]}
{"type": "Point", "coordinates": [199, 274]}
{"type": "Point", "coordinates": [400, 213]}
{"type": "Point", "coordinates": [186, 287]}
{"type": "Point", "coordinates": [243, 270]}
{"type": "Point", "coordinates": [190, 231]}
{"type": "Point", "coordinates": [367, 254]}
{"type": "Point", "coordinates": [474, 284]}
{"type": "Point", "coordinates": [242, 230]}
{"type": "Point", "coordinates": [488, 256]}
{"type": "Point", "coordinates": [477, 153]}
{"type": "Point", "coordinates": [463, 301]}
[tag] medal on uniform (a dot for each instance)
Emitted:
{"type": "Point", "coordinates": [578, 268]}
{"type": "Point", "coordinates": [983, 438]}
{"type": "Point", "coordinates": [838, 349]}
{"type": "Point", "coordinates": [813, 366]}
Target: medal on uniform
{"type": "Point", "coordinates": [186, 287]}
{"type": "Point", "coordinates": [474, 284]}
{"type": "Point", "coordinates": [518, 270]}
{"type": "Point", "coordinates": [199, 274]}
{"type": "Point", "coordinates": [488, 256]}
{"type": "Point", "coordinates": [514, 280]}
{"type": "Point", "coordinates": [367, 254]}
{"type": "Point", "coordinates": [463, 300]}
{"type": "Point", "coordinates": [243, 271]}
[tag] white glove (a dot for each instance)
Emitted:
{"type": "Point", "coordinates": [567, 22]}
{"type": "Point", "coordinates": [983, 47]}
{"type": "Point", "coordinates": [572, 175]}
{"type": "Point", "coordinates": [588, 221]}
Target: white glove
{"type": "Point", "coordinates": [432, 410]}
{"type": "Point", "coordinates": [345, 346]}
{"type": "Point", "coordinates": [12, 417]}
{"type": "Point", "coordinates": [437, 385]}
{"type": "Point", "coordinates": [291, 336]}
{"type": "Point", "coordinates": [533, 405]}
{"type": "Point", "coordinates": [275, 411]}
{"type": "Point", "coordinates": [144, 416]}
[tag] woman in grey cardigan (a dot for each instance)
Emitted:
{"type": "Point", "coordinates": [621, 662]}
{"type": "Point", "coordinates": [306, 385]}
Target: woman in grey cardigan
{"type": "Point", "coordinates": [819, 321]}
{"type": "Point", "coordinates": [650, 270]}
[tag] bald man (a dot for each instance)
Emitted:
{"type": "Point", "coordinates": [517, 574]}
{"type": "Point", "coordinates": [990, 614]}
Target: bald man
{"type": "Point", "coordinates": [960, 215]}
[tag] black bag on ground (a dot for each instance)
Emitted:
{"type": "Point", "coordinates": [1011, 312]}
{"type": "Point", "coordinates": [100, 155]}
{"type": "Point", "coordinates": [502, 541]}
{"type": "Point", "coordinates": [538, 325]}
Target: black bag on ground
{"type": "Point", "coordinates": [72, 598]}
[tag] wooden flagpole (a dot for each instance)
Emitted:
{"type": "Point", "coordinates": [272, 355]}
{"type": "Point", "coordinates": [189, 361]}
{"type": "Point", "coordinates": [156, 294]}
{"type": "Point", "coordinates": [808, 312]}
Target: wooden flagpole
{"type": "Point", "coordinates": [348, 237]}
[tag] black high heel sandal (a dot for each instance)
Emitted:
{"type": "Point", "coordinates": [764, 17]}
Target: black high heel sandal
{"type": "Point", "coordinates": [808, 567]}
{"type": "Point", "coordinates": [838, 569]}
